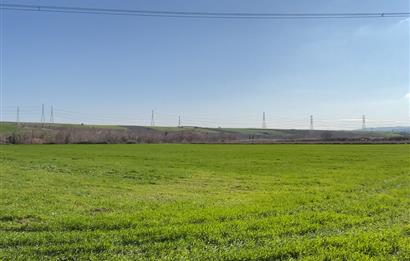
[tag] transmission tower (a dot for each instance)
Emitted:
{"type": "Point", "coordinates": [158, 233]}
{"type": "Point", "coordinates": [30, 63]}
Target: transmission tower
{"type": "Point", "coordinates": [179, 121]}
{"type": "Point", "coordinates": [263, 121]}
{"type": "Point", "coordinates": [18, 115]}
{"type": "Point", "coordinates": [311, 122]}
{"type": "Point", "coordinates": [43, 118]}
{"type": "Point", "coordinates": [363, 122]}
{"type": "Point", "coordinates": [52, 115]}
{"type": "Point", "coordinates": [152, 118]}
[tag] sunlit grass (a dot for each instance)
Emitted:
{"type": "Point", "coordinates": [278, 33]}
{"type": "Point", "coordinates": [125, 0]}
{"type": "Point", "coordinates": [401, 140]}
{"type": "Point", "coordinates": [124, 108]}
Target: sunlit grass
{"type": "Point", "coordinates": [205, 202]}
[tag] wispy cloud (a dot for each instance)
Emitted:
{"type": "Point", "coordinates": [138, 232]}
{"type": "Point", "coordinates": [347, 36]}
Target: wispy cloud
{"type": "Point", "coordinates": [407, 95]}
{"type": "Point", "coordinates": [404, 20]}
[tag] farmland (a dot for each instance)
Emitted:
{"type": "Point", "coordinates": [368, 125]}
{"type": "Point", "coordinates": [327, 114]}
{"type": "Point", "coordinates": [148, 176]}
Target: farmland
{"type": "Point", "coordinates": [186, 201]}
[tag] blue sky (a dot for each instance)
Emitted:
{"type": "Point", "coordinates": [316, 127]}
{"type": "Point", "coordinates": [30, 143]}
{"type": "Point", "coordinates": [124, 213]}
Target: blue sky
{"type": "Point", "coordinates": [116, 69]}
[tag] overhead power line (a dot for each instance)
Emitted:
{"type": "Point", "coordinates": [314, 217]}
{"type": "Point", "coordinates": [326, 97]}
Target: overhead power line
{"type": "Point", "coordinates": [168, 119]}
{"type": "Point", "coordinates": [311, 122]}
{"type": "Point", "coordinates": [43, 118]}
{"type": "Point", "coordinates": [263, 121]}
{"type": "Point", "coordinates": [207, 15]}
{"type": "Point", "coordinates": [152, 118]}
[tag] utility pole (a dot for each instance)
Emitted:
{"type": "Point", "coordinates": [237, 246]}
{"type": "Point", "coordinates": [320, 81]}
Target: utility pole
{"type": "Point", "coordinates": [18, 115]}
{"type": "Point", "coordinates": [263, 121]}
{"type": "Point", "coordinates": [311, 122]}
{"type": "Point", "coordinates": [179, 121]}
{"type": "Point", "coordinates": [43, 119]}
{"type": "Point", "coordinates": [363, 122]}
{"type": "Point", "coordinates": [52, 115]}
{"type": "Point", "coordinates": [152, 119]}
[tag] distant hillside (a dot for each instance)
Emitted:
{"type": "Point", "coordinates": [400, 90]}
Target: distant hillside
{"type": "Point", "coordinates": [35, 133]}
{"type": "Point", "coordinates": [405, 129]}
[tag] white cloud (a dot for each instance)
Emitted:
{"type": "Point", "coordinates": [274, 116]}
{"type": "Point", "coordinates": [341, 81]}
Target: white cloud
{"type": "Point", "coordinates": [407, 95]}
{"type": "Point", "coordinates": [404, 21]}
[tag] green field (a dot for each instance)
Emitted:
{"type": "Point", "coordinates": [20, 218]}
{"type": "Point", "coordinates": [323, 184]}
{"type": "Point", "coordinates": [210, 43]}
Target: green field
{"type": "Point", "coordinates": [205, 202]}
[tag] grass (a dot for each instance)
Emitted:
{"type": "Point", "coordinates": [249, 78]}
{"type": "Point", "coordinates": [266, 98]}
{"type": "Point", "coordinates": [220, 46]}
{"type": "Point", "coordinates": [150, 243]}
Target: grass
{"type": "Point", "coordinates": [186, 128]}
{"type": "Point", "coordinates": [86, 126]}
{"type": "Point", "coordinates": [248, 131]}
{"type": "Point", "coordinates": [7, 127]}
{"type": "Point", "coordinates": [232, 202]}
{"type": "Point", "coordinates": [10, 127]}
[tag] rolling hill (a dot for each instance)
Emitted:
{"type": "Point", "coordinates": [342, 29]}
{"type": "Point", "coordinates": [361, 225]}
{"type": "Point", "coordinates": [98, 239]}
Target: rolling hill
{"type": "Point", "coordinates": [28, 133]}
